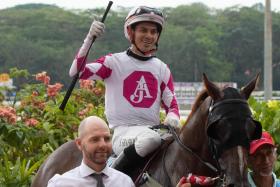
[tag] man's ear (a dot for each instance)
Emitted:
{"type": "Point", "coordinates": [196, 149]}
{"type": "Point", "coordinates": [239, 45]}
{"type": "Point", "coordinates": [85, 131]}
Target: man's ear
{"type": "Point", "coordinates": [78, 142]}
{"type": "Point", "coordinates": [275, 151]}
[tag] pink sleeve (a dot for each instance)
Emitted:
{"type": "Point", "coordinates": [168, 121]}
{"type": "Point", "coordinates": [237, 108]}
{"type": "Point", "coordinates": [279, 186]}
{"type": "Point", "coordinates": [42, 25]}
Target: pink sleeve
{"type": "Point", "coordinates": [97, 70]}
{"type": "Point", "coordinates": [169, 101]}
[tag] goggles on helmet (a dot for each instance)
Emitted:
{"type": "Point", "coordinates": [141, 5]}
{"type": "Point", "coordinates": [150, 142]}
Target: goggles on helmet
{"type": "Point", "coordinates": [144, 10]}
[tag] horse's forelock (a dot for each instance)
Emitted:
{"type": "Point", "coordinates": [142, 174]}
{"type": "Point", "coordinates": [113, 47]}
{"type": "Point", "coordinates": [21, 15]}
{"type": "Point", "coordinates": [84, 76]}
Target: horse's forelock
{"type": "Point", "coordinates": [232, 93]}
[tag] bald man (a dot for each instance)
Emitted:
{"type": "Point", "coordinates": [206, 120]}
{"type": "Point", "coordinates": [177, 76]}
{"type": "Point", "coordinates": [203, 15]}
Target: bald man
{"type": "Point", "coordinates": [94, 141]}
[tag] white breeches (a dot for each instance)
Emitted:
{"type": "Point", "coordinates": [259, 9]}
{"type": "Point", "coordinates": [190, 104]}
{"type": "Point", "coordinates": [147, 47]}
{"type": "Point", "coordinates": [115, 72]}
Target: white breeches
{"type": "Point", "coordinates": [146, 140]}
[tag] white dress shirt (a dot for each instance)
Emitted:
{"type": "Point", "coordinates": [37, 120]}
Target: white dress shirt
{"type": "Point", "coordinates": [80, 177]}
{"type": "Point", "coordinates": [276, 182]}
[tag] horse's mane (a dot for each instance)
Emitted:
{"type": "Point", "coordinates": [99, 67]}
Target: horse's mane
{"type": "Point", "coordinates": [198, 101]}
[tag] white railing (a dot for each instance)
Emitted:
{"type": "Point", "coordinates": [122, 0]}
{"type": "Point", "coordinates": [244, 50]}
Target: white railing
{"type": "Point", "coordinates": [259, 95]}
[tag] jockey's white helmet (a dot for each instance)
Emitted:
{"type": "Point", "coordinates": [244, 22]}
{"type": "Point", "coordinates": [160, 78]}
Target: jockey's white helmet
{"type": "Point", "coordinates": [143, 14]}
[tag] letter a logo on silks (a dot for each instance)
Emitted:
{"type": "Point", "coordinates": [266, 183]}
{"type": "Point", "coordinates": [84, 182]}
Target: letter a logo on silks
{"type": "Point", "coordinates": [140, 89]}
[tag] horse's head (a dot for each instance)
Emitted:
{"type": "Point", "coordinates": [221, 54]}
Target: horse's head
{"type": "Point", "coordinates": [215, 140]}
{"type": "Point", "coordinates": [230, 129]}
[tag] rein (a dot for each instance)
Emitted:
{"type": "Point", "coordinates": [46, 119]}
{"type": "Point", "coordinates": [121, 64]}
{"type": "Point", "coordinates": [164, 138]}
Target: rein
{"type": "Point", "coordinates": [186, 148]}
{"type": "Point", "coordinates": [221, 177]}
{"type": "Point", "coordinates": [139, 179]}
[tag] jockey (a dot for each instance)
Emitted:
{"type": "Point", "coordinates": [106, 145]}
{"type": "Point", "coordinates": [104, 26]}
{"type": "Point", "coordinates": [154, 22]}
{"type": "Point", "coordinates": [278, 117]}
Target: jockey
{"type": "Point", "coordinates": [137, 84]}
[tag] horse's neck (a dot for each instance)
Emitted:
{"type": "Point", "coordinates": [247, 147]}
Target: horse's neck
{"type": "Point", "coordinates": [192, 136]}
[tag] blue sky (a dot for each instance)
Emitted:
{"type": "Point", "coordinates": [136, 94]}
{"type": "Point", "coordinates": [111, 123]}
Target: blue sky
{"type": "Point", "coordinates": [83, 4]}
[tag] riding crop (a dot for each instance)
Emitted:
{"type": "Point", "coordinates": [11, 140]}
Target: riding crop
{"type": "Point", "coordinates": [76, 77]}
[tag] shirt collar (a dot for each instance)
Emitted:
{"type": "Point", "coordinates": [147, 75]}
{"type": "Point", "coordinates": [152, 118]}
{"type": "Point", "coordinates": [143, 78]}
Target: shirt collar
{"type": "Point", "coordinates": [85, 170]}
{"type": "Point", "coordinates": [251, 181]}
{"type": "Point", "coordinates": [129, 52]}
{"type": "Point", "coordinates": [274, 179]}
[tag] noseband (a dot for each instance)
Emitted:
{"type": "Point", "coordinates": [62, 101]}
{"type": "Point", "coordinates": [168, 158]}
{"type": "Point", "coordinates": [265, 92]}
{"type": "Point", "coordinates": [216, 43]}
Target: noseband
{"type": "Point", "coordinates": [235, 112]}
{"type": "Point", "coordinates": [229, 109]}
{"type": "Point", "coordinates": [226, 109]}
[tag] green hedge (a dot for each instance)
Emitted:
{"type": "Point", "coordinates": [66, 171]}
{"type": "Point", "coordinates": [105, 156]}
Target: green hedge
{"type": "Point", "coordinates": [268, 113]}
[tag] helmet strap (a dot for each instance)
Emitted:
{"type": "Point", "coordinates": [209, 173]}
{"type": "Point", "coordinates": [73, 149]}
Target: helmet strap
{"type": "Point", "coordinates": [150, 52]}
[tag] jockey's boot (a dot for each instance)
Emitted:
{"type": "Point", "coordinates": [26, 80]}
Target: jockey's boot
{"type": "Point", "coordinates": [127, 159]}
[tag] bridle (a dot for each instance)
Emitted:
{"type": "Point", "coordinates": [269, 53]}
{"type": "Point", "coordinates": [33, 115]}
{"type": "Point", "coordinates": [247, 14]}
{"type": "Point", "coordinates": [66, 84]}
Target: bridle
{"type": "Point", "coordinates": [213, 148]}
{"type": "Point", "coordinates": [213, 117]}
{"type": "Point", "coordinates": [230, 109]}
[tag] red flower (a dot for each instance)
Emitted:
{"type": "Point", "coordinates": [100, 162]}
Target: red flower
{"type": "Point", "coordinates": [43, 77]}
{"type": "Point", "coordinates": [86, 84]}
{"type": "Point", "coordinates": [35, 93]}
{"type": "Point", "coordinates": [83, 112]}
{"type": "Point", "coordinates": [52, 90]}
{"type": "Point", "coordinates": [39, 104]}
{"type": "Point", "coordinates": [31, 122]}
{"type": "Point", "coordinates": [8, 113]}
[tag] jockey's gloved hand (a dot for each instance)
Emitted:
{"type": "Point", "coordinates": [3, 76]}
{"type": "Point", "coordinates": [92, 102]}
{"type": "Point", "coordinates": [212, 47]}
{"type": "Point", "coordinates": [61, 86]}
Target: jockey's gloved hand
{"type": "Point", "coordinates": [172, 120]}
{"type": "Point", "coordinates": [97, 28]}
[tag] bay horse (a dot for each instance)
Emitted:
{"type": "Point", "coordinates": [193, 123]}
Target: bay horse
{"type": "Point", "coordinates": [214, 142]}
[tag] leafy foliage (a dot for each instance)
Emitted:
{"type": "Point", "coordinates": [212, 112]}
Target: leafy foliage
{"type": "Point", "coordinates": [35, 127]}
{"type": "Point", "coordinates": [268, 114]}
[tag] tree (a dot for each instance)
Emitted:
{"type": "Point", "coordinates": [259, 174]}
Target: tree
{"type": "Point", "coordinates": [242, 41]}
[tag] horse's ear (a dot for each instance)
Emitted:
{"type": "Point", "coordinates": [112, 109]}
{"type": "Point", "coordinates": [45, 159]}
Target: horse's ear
{"type": "Point", "coordinates": [212, 89]}
{"type": "Point", "coordinates": [249, 88]}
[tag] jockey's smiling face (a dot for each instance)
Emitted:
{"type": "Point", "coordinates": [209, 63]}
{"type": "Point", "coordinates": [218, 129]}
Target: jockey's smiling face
{"type": "Point", "coordinates": [145, 36]}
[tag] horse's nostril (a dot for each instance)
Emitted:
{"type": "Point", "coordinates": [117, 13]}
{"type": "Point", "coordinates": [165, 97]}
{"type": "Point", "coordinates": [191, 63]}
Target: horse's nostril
{"type": "Point", "coordinates": [231, 185]}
